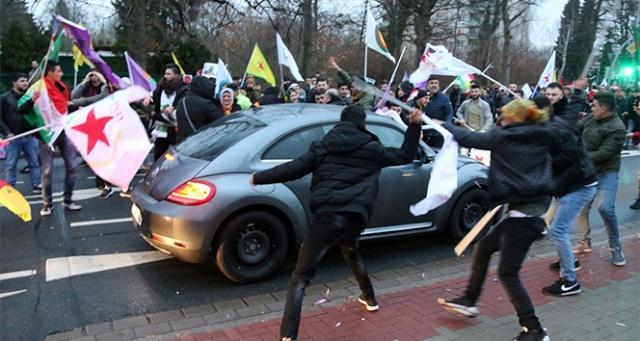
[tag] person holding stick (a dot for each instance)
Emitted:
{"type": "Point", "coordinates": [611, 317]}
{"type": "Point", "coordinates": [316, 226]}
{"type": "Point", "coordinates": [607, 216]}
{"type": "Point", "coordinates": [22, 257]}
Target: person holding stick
{"type": "Point", "coordinates": [525, 184]}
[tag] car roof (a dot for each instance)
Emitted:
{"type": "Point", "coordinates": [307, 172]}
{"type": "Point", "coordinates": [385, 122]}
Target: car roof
{"type": "Point", "coordinates": [275, 114]}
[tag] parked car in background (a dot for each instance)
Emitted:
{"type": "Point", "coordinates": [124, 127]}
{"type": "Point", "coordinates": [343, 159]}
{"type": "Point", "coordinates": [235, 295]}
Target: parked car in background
{"type": "Point", "coordinates": [196, 202]}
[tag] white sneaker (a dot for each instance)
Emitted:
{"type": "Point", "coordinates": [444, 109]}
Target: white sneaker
{"type": "Point", "coordinates": [46, 211]}
{"type": "Point", "coordinates": [71, 206]}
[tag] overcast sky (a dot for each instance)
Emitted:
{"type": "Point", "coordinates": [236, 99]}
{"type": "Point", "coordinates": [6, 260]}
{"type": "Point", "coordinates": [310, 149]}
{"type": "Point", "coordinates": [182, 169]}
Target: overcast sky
{"type": "Point", "coordinates": [543, 29]}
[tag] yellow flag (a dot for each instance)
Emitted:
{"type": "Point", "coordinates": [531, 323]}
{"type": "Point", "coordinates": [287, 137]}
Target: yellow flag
{"type": "Point", "coordinates": [78, 57]}
{"type": "Point", "coordinates": [175, 61]}
{"type": "Point", "coordinates": [258, 67]}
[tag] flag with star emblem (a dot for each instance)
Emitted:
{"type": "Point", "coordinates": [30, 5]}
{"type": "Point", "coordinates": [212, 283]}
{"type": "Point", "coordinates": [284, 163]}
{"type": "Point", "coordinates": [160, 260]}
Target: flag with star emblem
{"type": "Point", "coordinates": [258, 67]}
{"type": "Point", "coordinates": [374, 38]}
{"type": "Point", "coordinates": [110, 136]}
{"type": "Point", "coordinates": [548, 74]}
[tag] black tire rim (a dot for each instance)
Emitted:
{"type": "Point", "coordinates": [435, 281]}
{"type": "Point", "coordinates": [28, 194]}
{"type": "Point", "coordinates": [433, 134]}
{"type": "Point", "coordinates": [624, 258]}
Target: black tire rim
{"type": "Point", "coordinates": [252, 245]}
{"type": "Point", "coordinates": [472, 212]}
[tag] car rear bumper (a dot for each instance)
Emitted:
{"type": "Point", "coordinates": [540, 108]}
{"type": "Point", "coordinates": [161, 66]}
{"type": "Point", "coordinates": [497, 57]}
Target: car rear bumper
{"type": "Point", "coordinates": [185, 234]}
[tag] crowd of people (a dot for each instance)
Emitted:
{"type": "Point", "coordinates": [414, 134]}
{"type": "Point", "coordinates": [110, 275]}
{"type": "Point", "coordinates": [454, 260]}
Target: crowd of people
{"type": "Point", "coordinates": [576, 137]}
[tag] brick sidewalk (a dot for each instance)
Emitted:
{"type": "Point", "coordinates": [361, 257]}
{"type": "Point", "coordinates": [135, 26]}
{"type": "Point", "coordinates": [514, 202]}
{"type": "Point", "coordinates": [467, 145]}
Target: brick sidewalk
{"type": "Point", "coordinates": [607, 309]}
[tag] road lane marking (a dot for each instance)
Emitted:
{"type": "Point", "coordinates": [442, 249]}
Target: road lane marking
{"type": "Point", "coordinates": [63, 267]}
{"type": "Point", "coordinates": [17, 274]}
{"type": "Point", "coordinates": [100, 222]}
{"type": "Point", "coordinates": [627, 153]}
{"type": "Point", "coordinates": [11, 293]}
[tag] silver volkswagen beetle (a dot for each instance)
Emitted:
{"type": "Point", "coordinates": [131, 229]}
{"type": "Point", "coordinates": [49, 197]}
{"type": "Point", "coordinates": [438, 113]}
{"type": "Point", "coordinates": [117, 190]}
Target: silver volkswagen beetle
{"type": "Point", "coordinates": [196, 202]}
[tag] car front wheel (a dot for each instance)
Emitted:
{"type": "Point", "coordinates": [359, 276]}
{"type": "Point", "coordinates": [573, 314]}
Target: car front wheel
{"type": "Point", "coordinates": [467, 211]}
{"type": "Point", "coordinates": [252, 247]}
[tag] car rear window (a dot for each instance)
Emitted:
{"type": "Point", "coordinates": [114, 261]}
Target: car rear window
{"type": "Point", "coordinates": [213, 139]}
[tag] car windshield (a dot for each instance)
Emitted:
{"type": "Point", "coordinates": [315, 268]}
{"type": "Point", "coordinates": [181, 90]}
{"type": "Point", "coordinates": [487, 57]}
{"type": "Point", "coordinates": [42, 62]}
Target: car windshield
{"type": "Point", "coordinates": [211, 140]}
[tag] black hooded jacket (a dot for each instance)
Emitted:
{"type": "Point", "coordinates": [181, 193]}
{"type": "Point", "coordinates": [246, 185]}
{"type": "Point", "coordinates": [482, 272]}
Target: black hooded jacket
{"type": "Point", "coordinates": [199, 106]}
{"type": "Point", "coordinates": [346, 164]}
{"type": "Point", "coordinates": [572, 166]}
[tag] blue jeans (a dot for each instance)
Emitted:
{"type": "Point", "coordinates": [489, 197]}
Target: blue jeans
{"type": "Point", "coordinates": [29, 145]}
{"type": "Point", "coordinates": [68, 153]}
{"type": "Point", "coordinates": [605, 201]}
{"type": "Point", "coordinates": [326, 230]}
{"type": "Point", "coordinates": [513, 237]}
{"type": "Point", "coordinates": [569, 206]}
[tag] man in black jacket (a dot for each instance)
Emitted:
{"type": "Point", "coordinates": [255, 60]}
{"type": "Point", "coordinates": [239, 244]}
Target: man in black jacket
{"type": "Point", "coordinates": [13, 123]}
{"type": "Point", "coordinates": [345, 166]}
{"type": "Point", "coordinates": [197, 108]}
{"type": "Point", "coordinates": [525, 184]}
{"type": "Point", "coordinates": [165, 98]}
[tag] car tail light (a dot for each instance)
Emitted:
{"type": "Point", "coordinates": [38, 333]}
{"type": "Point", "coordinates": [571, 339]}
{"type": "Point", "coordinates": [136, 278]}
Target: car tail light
{"type": "Point", "coordinates": [194, 192]}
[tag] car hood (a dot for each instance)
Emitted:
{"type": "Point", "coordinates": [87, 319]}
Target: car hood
{"type": "Point", "coordinates": [169, 172]}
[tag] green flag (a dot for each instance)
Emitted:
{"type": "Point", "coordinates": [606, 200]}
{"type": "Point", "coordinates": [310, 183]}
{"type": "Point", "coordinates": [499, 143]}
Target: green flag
{"type": "Point", "coordinates": [42, 112]}
{"type": "Point", "coordinates": [54, 55]}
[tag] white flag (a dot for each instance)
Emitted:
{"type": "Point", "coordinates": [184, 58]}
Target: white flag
{"type": "Point", "coordinates": [444, 174]}
{"type": "Point", "coordinates": [526, 91]}
{"type": "Point", "coordinates": [110, 136]}
{"type": "Point", "coordinates": [440, 62]}
{"type": "Point", "coordinates": [547, 75]}
{"type": "Point", "coordinates": [374, 38]}
{"type": "Point", "coordinates": [285, 58]}
{"type": "Point", "coordinates": [222, 77]}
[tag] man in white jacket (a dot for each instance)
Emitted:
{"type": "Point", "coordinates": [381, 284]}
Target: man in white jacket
{"type": "Point", "coordinates": [475, 112]}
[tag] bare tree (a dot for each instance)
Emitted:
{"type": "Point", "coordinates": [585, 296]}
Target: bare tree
{"type": "Point", "coordinates": [512, 11]}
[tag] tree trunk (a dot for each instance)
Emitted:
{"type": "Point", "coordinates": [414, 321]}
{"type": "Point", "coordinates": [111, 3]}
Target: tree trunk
{"type": "Point", "coordinates": [506, 47]}
{"type": "Point", "coordinates": [307, 37]}
{"type": "Point", "coordinates": [137, 44]}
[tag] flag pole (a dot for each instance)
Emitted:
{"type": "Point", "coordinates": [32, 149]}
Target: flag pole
{"type": "Point", "coordinates": [32, 131]}
{"type": "Point", "coordinates": [249, 63]}
{"type": "Point", "coordinates": [393, 75]}
{"type": "Point", "coordinates": [126, 57]}
{"type": "Point", "coordinates": [366, 48]}
{"type": "Point", "coordinates": [502, 85]}
{"type": "Point", "coordinates": [281, 75]}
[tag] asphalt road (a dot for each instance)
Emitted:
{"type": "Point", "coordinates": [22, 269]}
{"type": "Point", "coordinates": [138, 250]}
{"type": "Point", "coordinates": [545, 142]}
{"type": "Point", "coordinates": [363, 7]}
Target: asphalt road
{"type": "Point", "coordinates": [33, 304]}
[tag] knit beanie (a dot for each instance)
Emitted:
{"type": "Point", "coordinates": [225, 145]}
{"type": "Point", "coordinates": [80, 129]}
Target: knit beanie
{"type": "Point", "coordinates": [520, 110]}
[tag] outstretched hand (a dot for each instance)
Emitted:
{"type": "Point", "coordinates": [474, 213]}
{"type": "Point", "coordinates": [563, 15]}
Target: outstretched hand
{"type": "Point", "coordinates": [415, 116]}
{"type": "Point", "coordinates": [332, 64]}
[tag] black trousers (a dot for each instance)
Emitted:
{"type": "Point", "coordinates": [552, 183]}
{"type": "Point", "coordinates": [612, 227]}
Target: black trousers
{"type": "Point", "coordinates": [327, 229]}
{"type": "Point", "coordinates": [513, 237]}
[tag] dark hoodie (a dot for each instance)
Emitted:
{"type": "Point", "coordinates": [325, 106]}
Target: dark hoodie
{"type": "Point", "coordinates": [345, 165]}
{"type": "Point", "coordinates": [199, 106]}
{"type": "Point", "coordinates": [569, 112]}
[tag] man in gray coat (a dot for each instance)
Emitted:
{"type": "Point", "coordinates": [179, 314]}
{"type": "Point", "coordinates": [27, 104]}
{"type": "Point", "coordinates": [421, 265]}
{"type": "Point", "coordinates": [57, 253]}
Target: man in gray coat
{"type": "Point", "coordinates": [475, 112]}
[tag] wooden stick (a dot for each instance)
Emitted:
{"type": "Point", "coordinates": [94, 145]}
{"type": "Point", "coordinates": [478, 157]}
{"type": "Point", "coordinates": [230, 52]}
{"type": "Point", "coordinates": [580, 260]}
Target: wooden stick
{"type": "Point", "coordinates": [480, 225]}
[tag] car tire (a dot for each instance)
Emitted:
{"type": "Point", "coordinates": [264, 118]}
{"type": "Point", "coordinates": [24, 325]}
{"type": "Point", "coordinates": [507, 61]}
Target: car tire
{"type": "Point", "coordinates": [470, 207]}
{"type": "Point", "coordinates": [252, 247]}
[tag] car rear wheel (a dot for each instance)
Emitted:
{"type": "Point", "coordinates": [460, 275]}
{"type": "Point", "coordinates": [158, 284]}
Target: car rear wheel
{"type": "Point", "coordinates": [467, 211]}
{"type": "Point", "coordinates": [252, 247]}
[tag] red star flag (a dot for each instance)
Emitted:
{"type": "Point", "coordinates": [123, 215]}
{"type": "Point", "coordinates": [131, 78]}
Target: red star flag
{"type": "Point", "coordinates": [110, 136]}
{"type": "Point", "coordinates": [548, 74]}
{"type": "Point", "coordinates": [374, 38]}
{"type": "Point", "coordinates": [440, 62]}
